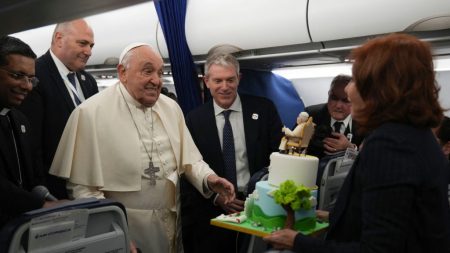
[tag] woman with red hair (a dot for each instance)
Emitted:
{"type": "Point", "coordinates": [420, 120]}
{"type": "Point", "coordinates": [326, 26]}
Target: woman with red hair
{"type": "Point", "coordinates": [394, 198]}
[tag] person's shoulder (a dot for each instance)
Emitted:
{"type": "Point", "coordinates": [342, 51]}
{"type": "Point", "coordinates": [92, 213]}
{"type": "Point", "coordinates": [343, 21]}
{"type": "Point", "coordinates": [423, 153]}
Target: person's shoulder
{"type": "Point", "coordinates": [400, 134]}
{"type": "Point", "coordinates": [257, 102]}
{"type": "Point", "coordinates": [253, 98]}
{"type": "Point", "coordinates": [18, 115]}
{"type": "Point", "coordinates": [315, 109]}
{"type": "Point", "coordinates": [201, 109]}
{"type": "Point", "coordinates": [87, 75]}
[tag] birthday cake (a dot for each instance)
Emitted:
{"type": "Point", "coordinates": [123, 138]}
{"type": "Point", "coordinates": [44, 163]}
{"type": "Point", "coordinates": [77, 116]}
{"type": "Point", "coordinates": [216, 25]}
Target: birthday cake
{"type": "Point", "coordinates": [261, 207]}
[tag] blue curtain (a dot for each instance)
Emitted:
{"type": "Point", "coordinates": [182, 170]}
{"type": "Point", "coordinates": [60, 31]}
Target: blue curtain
{"type": "Point", "coordinates": [276, 88]}
{"type": "Point", "coordinates": [171, 14]}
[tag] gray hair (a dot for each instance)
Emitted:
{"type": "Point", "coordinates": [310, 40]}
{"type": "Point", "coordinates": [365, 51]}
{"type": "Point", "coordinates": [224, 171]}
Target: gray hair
{"type": "Point", "coordinates": [222, 59]}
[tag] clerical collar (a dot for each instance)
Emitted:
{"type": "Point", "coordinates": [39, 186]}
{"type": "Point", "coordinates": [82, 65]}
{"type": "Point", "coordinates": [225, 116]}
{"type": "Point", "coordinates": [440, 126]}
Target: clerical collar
{"type": "Point", "coordinates": [4, 111]}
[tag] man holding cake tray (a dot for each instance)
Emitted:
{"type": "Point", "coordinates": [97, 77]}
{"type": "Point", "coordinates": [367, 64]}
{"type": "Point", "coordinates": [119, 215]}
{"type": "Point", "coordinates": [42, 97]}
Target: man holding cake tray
{"type": "Point", "coordinates": [394, 198]}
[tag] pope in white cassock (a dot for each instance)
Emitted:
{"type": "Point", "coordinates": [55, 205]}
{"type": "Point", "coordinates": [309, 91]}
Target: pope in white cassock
{"type": "Point", "coordinates": [129, 143]}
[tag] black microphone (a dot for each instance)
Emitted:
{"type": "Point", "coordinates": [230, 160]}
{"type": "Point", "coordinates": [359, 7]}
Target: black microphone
{"type": "Point", "coordinates": [43, 193]}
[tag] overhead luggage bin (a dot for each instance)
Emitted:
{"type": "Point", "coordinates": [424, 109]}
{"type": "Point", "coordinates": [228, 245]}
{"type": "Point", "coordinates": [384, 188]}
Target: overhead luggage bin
{"type": "Point", "coordinates": [249, 24]}
{"type": "Point", "coordinates": [334, 20]}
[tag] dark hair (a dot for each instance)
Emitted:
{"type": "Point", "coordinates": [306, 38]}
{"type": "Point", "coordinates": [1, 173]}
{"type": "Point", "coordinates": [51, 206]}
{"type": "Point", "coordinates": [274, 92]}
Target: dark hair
{"type": "Point", "coordinates": [340, 80]}
{"type": "Point", "coordinates": [394, 75]}
{"type": "Point", "coordinates": [10, 45]}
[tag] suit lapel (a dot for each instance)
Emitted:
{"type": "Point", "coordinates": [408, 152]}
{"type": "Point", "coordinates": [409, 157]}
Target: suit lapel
{"type": "Point", "coordinates": [60, 85]}
{"type": "Point", "coordinates": [251, 126]}
{"type": "Point", "coordinates": [83, 84]}
{"type": "Point", "coordinates": [5, 150]}
{"type": "Point", "coordinates": [211, 130]}
{"type": "Point", "coordinates": [11, 152]}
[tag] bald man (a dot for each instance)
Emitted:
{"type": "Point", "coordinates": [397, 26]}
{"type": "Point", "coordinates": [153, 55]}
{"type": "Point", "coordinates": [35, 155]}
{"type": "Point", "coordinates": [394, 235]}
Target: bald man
{"type": "Point", "coordinates": [63, 84]}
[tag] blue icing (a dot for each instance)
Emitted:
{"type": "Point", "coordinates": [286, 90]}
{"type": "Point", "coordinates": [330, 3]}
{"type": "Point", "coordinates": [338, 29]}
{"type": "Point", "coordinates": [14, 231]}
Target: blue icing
{"type": "Point", "coordinates": [270, 208]}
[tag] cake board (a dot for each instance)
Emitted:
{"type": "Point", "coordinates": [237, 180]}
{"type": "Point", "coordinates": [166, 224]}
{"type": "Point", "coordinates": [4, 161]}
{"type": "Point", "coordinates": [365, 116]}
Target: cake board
{"type": "Point", "coordinates": [248, 228]}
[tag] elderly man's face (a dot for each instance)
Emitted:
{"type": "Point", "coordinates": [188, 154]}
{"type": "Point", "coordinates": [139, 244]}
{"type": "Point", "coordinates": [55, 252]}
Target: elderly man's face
{"type": "Point", "coordinates": [222, 82]}
{"type": "Point", "coordinates": [142, 75]}
{"type": "Point", "coordinates": [338, 104]}
{"type": "Point", "coordinates": [15, 80]}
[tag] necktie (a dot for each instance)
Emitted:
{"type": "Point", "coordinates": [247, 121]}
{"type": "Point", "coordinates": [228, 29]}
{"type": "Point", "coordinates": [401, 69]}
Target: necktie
{"type": "Point", "coordinates": [337, 126]}
{"type": "Point", "coordinates": [71, 77]}
{"type": "Point", "coordinates": [228, 150]}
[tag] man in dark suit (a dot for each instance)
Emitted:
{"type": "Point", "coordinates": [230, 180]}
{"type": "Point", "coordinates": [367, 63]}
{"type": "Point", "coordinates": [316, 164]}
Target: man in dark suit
{"type": "Point", "coordinates": [19, 166]}
{"type": "Point", "coordinates": [63, 85]}
{"type": "Point", "coordinates": [256, 133]}
{"type": "Point", "coordinates": [335, 114]}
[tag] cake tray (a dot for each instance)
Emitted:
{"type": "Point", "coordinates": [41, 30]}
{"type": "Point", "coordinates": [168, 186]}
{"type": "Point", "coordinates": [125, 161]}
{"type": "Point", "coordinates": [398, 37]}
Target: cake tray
{"type": "Point", "coordinates": [249, 228]}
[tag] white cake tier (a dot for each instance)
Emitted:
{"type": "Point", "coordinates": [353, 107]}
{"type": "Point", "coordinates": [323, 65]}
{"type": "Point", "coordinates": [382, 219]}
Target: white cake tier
{"type": "Point", "coordinates": [301, 169]}
{"type": "Point", "coordinates": [270, 208]}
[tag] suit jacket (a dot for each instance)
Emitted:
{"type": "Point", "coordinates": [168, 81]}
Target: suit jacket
{"type": "Point", "coordinates": [48, 108]}
{"type": "Point", "coordinates": [17, 199]}
{"type": "Point", "coordinates": [262, 137]}
{"type": "Point", "coordinates": [394, 198]}
{"type": "Point", "coordinates": [321, 116]}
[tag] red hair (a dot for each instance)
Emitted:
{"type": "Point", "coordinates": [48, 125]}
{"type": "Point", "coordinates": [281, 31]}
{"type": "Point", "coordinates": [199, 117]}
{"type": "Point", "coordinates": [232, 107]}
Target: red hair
{"type": "Point", "coordinates": [395, 77]}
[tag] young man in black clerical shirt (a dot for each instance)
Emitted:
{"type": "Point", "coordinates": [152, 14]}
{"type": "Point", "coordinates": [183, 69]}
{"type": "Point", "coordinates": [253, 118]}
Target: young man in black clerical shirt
{"type": "Point", "coordinates": [19, 168]}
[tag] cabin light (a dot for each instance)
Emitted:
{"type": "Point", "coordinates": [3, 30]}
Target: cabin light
{"type": "Point", "coordinates": [331, 70]}
{"type": "Point", "coordinates": [442, 64]}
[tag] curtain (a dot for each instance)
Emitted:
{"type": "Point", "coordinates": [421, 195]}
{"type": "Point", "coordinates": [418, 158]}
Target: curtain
{"type": "Point", "coordinates": [171, 14]}
{"type": "Point", "coordinates": [276, 88]}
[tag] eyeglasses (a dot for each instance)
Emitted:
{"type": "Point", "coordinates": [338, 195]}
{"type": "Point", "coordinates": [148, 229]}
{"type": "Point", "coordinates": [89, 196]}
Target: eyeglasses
{"type": "Point", "coordinates": [22, 77]}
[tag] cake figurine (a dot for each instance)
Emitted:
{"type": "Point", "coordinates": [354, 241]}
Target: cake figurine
{"type": "Point", "coordinates": [296, 141]}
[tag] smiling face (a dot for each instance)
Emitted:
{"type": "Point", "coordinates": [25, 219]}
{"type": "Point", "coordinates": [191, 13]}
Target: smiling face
{"type": "Point", "coordinates": [73, 44]}
{"type": "Point", "coordinates": [222, 82]}
{"type": "Point", "coordinates": [141, 74]}
{"type": "Point", "coordinates": [13, 90]}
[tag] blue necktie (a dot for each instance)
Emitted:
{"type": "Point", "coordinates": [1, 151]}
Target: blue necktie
{"type": "Point", "coordinates": [228, 153]}
{"type": "Point", "coordinates": [71, 77]}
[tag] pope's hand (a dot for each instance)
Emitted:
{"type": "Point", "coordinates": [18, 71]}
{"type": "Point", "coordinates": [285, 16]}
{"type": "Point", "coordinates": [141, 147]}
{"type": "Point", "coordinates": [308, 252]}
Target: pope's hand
{"type": "Point", "coordinates": [282, 239]}
{"type": "Point", "coordinates": [221, 186]}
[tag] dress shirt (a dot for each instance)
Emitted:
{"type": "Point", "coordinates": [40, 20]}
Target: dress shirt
{"type": "Point", "coordinates": [347, 123]}
{"type": "Point", "coordinates": [63, 71]}
{"type": "Point", "coordinates": [237, 124]}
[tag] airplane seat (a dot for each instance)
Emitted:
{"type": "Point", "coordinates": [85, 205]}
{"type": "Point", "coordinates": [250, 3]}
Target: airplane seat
{"type": "Point", "coordinates": [332, 179]}
{"type": "Point", "coordinates": [84, 225]}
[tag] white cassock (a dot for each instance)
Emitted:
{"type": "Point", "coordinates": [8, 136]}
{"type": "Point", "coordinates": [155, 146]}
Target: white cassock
{"type": "Point", "coordinates": [102, 154]}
